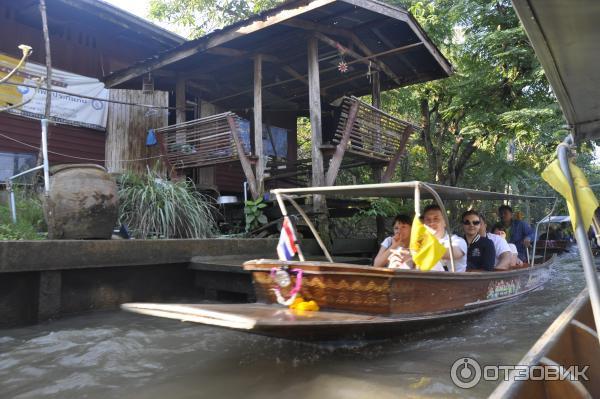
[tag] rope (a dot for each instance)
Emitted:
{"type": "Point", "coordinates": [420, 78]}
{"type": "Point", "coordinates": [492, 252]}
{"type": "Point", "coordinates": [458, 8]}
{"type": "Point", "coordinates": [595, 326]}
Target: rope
{"type": "Point", "coordinates": [81, 158]}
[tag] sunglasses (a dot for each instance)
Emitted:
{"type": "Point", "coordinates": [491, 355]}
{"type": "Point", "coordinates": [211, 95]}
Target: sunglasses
{"type": "Point", "coordinates": [472, 222]}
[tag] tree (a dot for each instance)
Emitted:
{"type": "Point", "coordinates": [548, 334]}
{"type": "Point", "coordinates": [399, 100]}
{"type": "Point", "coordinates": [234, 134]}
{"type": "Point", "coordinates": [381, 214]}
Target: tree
{"type": "Point", "coordinates": [204, 16]}
{"type": "Point", "coordinates": [498, 97]}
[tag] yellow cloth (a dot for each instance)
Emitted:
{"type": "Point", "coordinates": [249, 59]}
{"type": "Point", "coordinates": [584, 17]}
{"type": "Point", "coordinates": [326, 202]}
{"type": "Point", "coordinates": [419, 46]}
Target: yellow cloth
{"type": "Point", "coordinates": [425, 247]}
{"type": "Point", "coordinates": [585, 196]}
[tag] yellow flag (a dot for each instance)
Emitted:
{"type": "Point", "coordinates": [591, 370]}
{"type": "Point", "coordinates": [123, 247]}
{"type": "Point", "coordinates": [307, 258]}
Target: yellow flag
{"type": "Point", "coordinates": [425, 247]}
{"type": "Point", "coordinates": [585, 196]}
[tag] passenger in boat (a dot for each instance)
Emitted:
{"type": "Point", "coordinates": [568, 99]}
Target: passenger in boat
{"type": "Point", "coordinates": [518, 232]}
{"type": "Point", "coordinates": [514, 254]}
{"type": "Point", "coordinates": [434, 218]}
{"type": "Point", "coordinates": [394, 251]}
{"type": "Point", "coordinates": [501, 248]}
{"type": "Point", "coordinates": [481, 254]}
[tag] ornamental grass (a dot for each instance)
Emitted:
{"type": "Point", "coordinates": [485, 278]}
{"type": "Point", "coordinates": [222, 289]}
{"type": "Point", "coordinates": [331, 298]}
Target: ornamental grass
{"type": "Point", "coordinates": [152, 207]}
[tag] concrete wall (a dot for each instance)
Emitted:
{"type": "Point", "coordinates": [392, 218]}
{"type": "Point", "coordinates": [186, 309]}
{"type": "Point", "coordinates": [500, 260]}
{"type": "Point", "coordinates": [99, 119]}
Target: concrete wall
{"type": "Point", "coordinates": [41, 280]}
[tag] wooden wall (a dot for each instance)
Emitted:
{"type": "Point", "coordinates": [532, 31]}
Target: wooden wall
{"type": "Point", "coordinates": [128, 128]}
{"type": "Point", "coordinates": [68, 140]}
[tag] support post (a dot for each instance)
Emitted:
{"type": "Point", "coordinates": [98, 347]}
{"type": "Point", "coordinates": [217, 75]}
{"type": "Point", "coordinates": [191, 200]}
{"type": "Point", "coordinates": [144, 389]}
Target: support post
{"type": "Point", "coordinates": [258, 138]}
{"type": "Point", "coordinates": [377, 170]}
{"type": "Point", "coordinates": [314, 101]}
{"type": "Point", "coordinates": [391, 168]}
{"type": "Point", "coordinates": [180, 100]}
{"type": "Point", "coordinates": [340, 149]}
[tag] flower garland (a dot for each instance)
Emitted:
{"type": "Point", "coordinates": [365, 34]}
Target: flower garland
{"type": "Point", "coordinates": [282, 279]}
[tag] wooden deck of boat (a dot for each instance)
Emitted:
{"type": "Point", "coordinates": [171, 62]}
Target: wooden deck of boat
{"type": "Point", "coordinates": [278, 321]}
{"type": "Point", "coordinates": [570, 341]}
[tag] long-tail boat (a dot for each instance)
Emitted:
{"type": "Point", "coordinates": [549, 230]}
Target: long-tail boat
{"type": "Point", "coordinates": [361, 301]}
{"type": "Point", "coordinates": [563, 34]}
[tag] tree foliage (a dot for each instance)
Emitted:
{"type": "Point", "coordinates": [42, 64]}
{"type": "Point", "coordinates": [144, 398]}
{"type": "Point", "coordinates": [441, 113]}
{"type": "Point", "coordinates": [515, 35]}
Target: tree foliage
{"type": "Point", "coordinates": [495, 122]}
{"type": "Point", "coordinates": [204, 16]}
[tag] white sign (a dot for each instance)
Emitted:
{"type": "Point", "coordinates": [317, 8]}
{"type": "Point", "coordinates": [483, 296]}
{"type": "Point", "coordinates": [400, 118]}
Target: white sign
{"type": "Point", "coordinates": [66, 106]}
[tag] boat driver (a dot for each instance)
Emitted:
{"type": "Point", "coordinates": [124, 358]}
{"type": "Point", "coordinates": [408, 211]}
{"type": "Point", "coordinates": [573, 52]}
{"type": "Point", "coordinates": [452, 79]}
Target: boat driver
{"type": "Point", "coordinates": [518, 232]}
{"type": "Point", "coordinates": [394, 251]}
{"type": "Point", "coordinates": [434, 218]}
{"type": "Point", "coordinates": [481, 254]}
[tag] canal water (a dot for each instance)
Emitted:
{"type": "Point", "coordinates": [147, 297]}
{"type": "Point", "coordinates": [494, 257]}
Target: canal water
{"type": "Point", "coordinates": [122, 355]}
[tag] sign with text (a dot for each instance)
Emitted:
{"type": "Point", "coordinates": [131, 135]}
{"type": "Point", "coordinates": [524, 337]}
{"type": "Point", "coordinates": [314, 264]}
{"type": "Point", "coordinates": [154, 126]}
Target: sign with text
{"type": "Point", "coordinates": [66, 106]}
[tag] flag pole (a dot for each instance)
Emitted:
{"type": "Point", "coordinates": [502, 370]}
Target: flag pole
{"type": "Point", "coordinates": [580, 234]}
{"type": "Point", "coordinates": [285, 215]}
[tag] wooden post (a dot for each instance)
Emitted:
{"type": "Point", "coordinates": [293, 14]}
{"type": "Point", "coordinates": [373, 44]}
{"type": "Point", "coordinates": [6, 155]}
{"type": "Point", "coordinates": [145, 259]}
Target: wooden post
{"type": "Point", "coordinates": [340, 149]}
{"type": "Point", "coordinates": [391, 168]}
{"type": "Point", "coordinates": [377, 170]}
{"type": "Point", "coordinates": [258, 137]}
{"type": "Point", "coordinates": [314, 105]}
{"type": "Point", "coordinates": [180, 100]}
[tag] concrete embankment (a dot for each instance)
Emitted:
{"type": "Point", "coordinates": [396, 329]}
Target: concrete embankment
{"type": "Point", "coordinates": [40, 280]}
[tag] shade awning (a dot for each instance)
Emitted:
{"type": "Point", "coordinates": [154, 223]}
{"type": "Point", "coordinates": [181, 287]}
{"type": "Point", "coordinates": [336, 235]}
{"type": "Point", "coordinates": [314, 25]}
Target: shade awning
{"type": "Point", "coordinates": [407, 190]}
{"type": "Point", "coordinates": [565, 37]}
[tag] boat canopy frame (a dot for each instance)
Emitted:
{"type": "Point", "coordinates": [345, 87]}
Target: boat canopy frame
{"type": "Point", "coordinates": [414, 189]}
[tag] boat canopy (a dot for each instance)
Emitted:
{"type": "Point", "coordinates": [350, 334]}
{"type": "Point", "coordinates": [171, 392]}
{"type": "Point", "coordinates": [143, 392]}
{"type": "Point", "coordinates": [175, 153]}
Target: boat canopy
{"type": "Point", "coordinates": [407, 190]}
{"type": "Point", "coordinates": [555, 219]}
{"type": "Point", "coordinates": [565, 37]}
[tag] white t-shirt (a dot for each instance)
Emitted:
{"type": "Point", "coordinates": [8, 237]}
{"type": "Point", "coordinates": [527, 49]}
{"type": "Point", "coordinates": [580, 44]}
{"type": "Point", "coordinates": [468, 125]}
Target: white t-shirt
{"type": "Point", "coordinates": [513, 248]}
{"type": "Point", "coordinates": [500, 245]}
{"type": "Point", "coordinates": [460, 265]}
{"type": "Point", "coordinates": [387, 243]}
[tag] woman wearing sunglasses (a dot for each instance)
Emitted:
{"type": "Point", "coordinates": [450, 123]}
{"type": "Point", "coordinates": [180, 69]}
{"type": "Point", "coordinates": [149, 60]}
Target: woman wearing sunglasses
{"type": "Point", "coordinates": [481, 254]}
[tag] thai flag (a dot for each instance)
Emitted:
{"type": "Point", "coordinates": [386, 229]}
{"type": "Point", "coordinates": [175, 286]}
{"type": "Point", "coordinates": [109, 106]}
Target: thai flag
{"type": "Point", "coordinates": [286, 248]}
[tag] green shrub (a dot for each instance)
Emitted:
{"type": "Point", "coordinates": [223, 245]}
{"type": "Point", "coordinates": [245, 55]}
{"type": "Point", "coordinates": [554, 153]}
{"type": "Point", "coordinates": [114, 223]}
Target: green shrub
{"type": "Point", "coordinates": [152, 207]}
{"type": "Point", "coordinates": [30, 218]}
{"type": "Point", "coordinates": [253, 210]}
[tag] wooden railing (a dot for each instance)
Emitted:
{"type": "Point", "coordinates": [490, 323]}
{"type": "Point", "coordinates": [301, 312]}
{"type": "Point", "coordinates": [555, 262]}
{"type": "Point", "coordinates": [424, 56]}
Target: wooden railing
{"type": "Point", "coordinates": [202, 142]}
{"type": "Point", "coordinates": [372, 133]}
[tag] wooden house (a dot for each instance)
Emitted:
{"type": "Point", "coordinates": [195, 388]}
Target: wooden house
{"type": "Point", "coordinates": [305, 58]}
{"type": "Point", "coordinates": [88, 37]}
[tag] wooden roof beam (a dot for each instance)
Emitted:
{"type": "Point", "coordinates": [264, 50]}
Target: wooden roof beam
{"type": "Point", "coordinates": [213, 40]}
{"type": "Point", "coordinates": [320, 32]}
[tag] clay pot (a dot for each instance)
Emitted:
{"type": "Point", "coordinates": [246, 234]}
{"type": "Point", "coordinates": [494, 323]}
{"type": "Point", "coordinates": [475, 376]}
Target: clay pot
{"type": "Point", "coordinates": [82, 203]}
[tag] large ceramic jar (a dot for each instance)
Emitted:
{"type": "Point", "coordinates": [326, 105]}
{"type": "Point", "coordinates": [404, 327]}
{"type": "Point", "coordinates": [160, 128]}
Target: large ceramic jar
{"type": "Point", "coordinates": [82, 204]}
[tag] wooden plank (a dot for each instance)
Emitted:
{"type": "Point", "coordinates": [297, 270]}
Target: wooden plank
{"type": "Point", "coordinates": [391, 168]}
{"type": "Point", "coordinates": [190, 48]}
{"type": "Point", "coordinates": [246, 166]}
{"type": "Point", "coordinates": [318, 177]}
{"type": "Point", "coordinates": [382, 65]}
{"type": "Point", "coordinates": [336, 160]}
{"type": "Point", "coordinates": [258, 124]}
{"type": "Point", "coordinates": [180, 100]}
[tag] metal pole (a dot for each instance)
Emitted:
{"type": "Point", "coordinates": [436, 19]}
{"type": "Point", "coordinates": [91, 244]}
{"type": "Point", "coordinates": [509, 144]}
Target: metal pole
{"type": "Point", "coordinates": [13, 206]}
{"type": "Point", "coordinates": [581, 235]}
{"type": "Point", "coordinates": [45, 156]}
{"type": "Point", "coordinates": [440, 203]}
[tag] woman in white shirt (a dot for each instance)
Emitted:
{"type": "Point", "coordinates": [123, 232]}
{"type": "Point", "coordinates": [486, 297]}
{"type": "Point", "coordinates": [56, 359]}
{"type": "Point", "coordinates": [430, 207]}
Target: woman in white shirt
{"type": "Point", "coordinates": [393, 251]}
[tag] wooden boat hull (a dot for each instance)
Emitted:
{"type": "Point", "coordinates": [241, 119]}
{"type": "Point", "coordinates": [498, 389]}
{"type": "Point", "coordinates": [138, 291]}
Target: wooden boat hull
{"type": "Point", "coordinates": [571, 340]}
{"type": "Point", "coordinates": [552, 246]}
{"type": "Point", "coordinates": [394, 292]}
{"type": "Point", "coordinates": [358, 301]}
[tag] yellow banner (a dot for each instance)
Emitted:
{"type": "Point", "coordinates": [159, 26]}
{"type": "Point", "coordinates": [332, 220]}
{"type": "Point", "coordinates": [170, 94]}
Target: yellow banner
{"type": "Point", "coordinates": [585, 196]}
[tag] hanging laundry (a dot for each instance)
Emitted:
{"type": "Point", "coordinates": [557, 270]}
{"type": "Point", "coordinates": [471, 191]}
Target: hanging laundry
{"type": "Point", "coordinates": [151, 138]}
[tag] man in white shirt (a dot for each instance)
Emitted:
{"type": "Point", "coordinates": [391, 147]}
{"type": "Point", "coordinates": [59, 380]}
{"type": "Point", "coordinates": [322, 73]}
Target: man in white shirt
{"type": "Point", "coordinates": [503, 253]}
{"type": "Point", "coordinates": [434, 219]}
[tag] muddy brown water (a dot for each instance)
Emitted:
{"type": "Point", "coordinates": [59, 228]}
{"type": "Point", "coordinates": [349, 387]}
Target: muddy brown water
{"type": "Point", "coordinates": [121, 355]}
